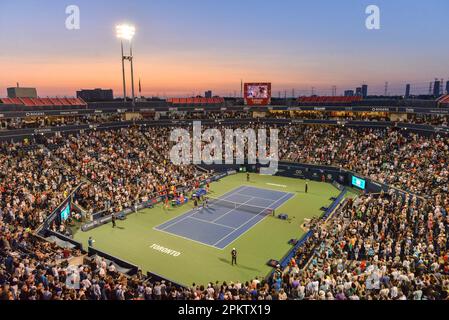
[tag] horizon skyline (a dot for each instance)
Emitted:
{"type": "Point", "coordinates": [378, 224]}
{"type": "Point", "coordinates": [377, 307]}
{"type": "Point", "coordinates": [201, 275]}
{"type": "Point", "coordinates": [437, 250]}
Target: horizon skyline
{"type": "Point", "coordinates": [421, 88]}
{"type": "Point", "coordinates": [183, 50]}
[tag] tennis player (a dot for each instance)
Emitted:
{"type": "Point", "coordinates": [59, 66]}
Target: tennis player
{"type": "Point", "coordinates": [166, 203]}
{"type": "Point", "coordinates": [195, 203]}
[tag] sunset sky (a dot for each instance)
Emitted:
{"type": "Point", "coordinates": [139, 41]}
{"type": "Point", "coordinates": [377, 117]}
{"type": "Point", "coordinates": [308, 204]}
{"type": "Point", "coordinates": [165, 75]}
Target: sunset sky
{"type": "Point", "coordinates": [187, 46]}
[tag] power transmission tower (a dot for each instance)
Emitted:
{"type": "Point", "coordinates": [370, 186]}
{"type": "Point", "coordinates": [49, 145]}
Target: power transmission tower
{"type": "Point", "coordinates": [386, 88]}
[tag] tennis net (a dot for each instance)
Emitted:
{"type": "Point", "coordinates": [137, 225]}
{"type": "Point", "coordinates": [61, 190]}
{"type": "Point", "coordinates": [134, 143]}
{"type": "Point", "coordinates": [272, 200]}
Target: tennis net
{"type": "Point", "coordinates": [241, 206]}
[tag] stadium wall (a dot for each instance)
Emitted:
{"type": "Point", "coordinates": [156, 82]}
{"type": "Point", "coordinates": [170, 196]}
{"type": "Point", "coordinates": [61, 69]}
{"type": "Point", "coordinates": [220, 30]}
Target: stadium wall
{"type": "Point", "coordinates": [122, 263]}
{"type": "Point", "coordinates": [99, 220]}
{"type": "Point", "coordinates": [21, 111]}
{"type": "Point", "coordinates": [322, 173]}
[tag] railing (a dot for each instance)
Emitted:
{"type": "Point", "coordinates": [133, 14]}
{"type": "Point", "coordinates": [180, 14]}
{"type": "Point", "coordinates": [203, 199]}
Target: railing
{"type": "Point", "coordinates": [313, 252]}
{"type": "Point", "coordinates": [53, 214]}
{"type": "Point", "coordinates": [120, 262]}
{"type": "Point", "coordinates": [147, 204]}
{"type": "Point", "coordinates": [284, 261]}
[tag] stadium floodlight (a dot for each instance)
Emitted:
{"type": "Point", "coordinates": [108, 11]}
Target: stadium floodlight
{"type": "Point", "coordinates": [127, 32]}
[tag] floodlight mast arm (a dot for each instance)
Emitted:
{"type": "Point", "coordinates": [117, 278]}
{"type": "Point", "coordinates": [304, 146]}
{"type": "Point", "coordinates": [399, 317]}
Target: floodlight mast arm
{"type": "Point", "coordinates": [123, 74]}
{"type": "Point", "coordinates": [132, 75]}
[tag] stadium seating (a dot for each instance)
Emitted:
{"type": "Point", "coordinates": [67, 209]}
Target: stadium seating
{"type": "Point", "coordinates": [196, 101]}
{"type": "Point", "coordinates": [443, 100]}
{"type": "Point", "coordinates": [387, 246]}
{"type": "Point", "coordinates": [44, 102]}
{"type": "Point", "coordinates": [328, 99]}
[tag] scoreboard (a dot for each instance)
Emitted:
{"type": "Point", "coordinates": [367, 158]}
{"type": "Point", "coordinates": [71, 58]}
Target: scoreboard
{"type": "Point", "coordinates": [358, 183]}
{"type": "Point", "coordinates": [257, 93]}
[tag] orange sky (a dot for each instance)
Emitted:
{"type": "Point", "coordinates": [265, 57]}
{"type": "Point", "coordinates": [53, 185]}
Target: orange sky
{"type": "Point", "coordinates": [180, 48]}
{"type": "Point", "coordinates": [159, 75]}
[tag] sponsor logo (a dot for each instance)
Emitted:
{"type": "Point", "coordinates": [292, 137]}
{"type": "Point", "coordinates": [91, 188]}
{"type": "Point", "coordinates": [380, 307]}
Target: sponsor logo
{"type": "Point", "coordinates": [63, 113]}
{"type": "Point", "coordinates": [380, 109]}
{"type": "Point", "coordinates": [42, 130]}
{"type": "Point", "coordinates": [162, 249]}
{"type": "Point", "coordinates": [34, 114]}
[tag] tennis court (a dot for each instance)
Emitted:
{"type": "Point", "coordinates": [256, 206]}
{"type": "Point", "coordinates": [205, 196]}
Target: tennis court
{"type": "Point", "coordinates": [226, 218]}
{"type": "Point", "coordinates": [134, 239]}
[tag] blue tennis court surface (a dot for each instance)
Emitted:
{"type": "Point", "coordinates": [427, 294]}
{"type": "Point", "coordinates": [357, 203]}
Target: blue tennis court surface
{"type": "Point", "coordinates": [219, 225]}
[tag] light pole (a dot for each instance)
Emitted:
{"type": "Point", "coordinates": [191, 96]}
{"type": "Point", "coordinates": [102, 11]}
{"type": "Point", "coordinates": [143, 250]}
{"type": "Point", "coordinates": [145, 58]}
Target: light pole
{"type": "Point", "coordinates": [123, 71]}
{"type": "Point", "coordinates": [126, 32]}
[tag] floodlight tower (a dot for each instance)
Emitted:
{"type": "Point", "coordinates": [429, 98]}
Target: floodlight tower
{"type": "Point", "coordinates": [126, 32]}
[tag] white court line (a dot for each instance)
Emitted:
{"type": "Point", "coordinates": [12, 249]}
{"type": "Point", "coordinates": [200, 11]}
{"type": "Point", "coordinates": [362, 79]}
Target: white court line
{"type": "Point", "coordinates": [185, 238]}
{"type": "Point", "coordinates": [228, 212]}
{"type": "Point", "coordinates": [226, 195]}
{"type": "Point", "coordinates": [277, 190]}
{"type": "Point", "coordinates": [257, 215]}
{"type": "Point", "coordinates": [277, 185]}
{"type": "Point", "coordinates": [283, 192]}
{"type": "Point", "coordinates": [213, 222]}
{"type": "Point", "coordinates": [247, 195]}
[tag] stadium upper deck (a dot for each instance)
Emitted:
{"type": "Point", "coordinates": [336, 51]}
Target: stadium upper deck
{"type": "Point", "coordinates": [13, 107]}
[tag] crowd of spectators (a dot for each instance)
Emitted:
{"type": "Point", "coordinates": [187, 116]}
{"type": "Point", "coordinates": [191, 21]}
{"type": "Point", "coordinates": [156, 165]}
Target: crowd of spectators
{"type": "Point", "coordinates": [32, 183]}
{"type": "Point", "coordinates": [59, 121]}
{"type": "Point", "coordinates": [406, 160]}
{"type": "Point", "coordinates": [124, 167]}
{"type": "Point", "coordinates": [379, 247]}
{"type": "Point", "coordinates": [388, 246]}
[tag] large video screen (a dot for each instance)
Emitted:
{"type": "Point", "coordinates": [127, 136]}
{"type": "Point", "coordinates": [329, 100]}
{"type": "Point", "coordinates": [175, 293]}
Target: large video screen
{"type": "Point", "coordinates": [359, 183]}
{"type": "Point", "coordinates": [65, 212]}
{"type": "Point", "coordinates": [257, 93]}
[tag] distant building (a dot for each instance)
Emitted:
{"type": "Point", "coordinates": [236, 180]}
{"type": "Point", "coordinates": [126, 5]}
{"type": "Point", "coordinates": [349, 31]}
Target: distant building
{"type": "Point", "coordinates": [208, 94]}
{"type": "Point", "coordinates": [407, 90]}
{"type": "Point", "coordinates": [447, 87]}
{"type": "Point", "coordinates": [436, 88]}
{"type": "Point", "coordinates": [349, 93]}
{"type": "Point", "coordinates": [364, 90]}
{"type": "Point", "coordinates": [20, 92]}
{"type": "Point", "coordinates": [95, 95]}
{"type": "Point", "coordinates": [358, 91]}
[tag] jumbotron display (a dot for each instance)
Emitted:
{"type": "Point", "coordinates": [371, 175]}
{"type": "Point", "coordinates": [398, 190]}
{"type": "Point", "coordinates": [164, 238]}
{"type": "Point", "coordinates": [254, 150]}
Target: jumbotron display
{"type": "Point", "coordinates": [257, 94]}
